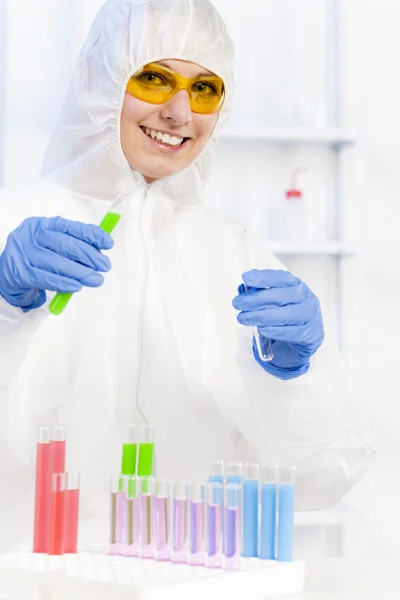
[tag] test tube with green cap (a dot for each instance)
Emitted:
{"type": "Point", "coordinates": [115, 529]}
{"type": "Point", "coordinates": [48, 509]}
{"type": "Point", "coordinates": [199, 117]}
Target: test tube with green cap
{"type": "Point", "coordinates": [108, 225]}
{"type": "Point", "coordinates": [129, 453]}
{"type": "Point", "coordinates": [145, 452]}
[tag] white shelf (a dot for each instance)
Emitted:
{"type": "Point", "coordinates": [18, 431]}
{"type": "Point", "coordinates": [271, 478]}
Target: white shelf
{"type": "Point", "coordinates": [331, 248]}
{"type": "Point", "coordinates": [329, 137]}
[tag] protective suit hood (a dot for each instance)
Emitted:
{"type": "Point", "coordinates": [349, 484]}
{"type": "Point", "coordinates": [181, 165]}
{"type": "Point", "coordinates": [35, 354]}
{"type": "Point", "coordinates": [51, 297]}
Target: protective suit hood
{"type": "Point", "coordinates": [85, 153]}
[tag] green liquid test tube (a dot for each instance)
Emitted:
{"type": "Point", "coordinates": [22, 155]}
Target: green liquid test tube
{"type": "Point", "coordinates": [129, 454]}
{"type": "Point", "coordinates": [146, 451]}
{"type": "Point", "coordinates": [60, 301]}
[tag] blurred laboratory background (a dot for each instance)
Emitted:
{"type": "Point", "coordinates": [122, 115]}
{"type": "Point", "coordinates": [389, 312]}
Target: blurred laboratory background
{"type": "Point", "coordinates": [309, 160]}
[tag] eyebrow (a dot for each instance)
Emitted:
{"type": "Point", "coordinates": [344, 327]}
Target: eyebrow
{"type": "Point", "coordinates": [199, 74]}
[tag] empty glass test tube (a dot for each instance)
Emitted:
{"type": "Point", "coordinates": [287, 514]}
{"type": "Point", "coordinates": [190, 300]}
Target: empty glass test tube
{"type": "Point", "coordinates": [268, 493]}
{"type": "Point", "coordinates": [71, 512]}
{"type": "Point", "coordinates": [117, 515]}
{"type": "Point", "coordinates": [286, 513]}
{"type": "Point", "coordinates": [131, 515]}
{"type": "Point", "coordinates": [196, 553]}
{"type": "Point", "coordinates": [162, 520]}
{"type": "Point", "coordinates": [214, 540]}
{"type": "Point", "coordinates": [147, 492]}
{"type": "Point", "coordinates": [215, 470]}
{"type": "Point", "coordinates": [250, 510]}
{"type": "Point", "coordinates": [179, 524]}
{"type": "Point", "coordinates": [263, 345]}
{"type": "Point", "coordinates": [232, 526]}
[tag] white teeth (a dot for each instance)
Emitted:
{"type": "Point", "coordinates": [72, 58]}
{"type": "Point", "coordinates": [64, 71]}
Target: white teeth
{"type": "Point", "coordinates": [165, 138]}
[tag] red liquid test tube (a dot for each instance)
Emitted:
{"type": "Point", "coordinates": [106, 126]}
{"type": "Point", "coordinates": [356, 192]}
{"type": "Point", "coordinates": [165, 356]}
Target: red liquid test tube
{"type": "Point", "coordinates": [43, 495]}
{"type": "Point", "coordinates": [71, 513]}
{"type": "Point", "coordinates": [58, 514]}
{"type": "Point", "coordinates": [57, 445]}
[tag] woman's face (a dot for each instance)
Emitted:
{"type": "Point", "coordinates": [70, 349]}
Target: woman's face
{"type": "Point", "coordinates": [146, 154]}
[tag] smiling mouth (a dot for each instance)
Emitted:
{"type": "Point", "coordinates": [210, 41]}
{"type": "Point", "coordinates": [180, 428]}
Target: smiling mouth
{"type": "Point", "coordinates": [172, 141]}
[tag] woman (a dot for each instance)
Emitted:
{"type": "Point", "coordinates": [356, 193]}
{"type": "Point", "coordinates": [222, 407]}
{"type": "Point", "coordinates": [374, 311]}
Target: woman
{"type": "Point", "coordinates": [160, 341]}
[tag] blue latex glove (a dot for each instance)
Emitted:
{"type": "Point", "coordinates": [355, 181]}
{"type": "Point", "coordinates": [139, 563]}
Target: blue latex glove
{"type": "Point", "coordinates": [286, 312]}
{"type": "Point", "coordinates": [51, 254]}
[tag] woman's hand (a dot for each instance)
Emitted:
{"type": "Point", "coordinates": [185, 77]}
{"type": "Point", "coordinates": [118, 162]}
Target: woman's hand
{"type": "Point", "coordinates": [286, 312]}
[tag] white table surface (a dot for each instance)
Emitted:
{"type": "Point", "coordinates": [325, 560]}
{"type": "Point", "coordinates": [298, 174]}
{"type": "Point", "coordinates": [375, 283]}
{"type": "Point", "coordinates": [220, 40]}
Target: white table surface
{"type": "Point", "coordinates": [350, 579]}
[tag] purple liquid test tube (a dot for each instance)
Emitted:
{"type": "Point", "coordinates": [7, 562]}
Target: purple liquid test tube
{"type": "Point", "coordinates": [162, 520]}
{"type": "Point", "coordinates": [147, 492]}
{"type": "Point", "coordinates": [132, 516]}
{"type": "Point", "coordinates": [232, 526]}
{"type": "Point", "coordinates": [179, 524]}
{"type": "Point", "coordinates": [117, 516]}
{"type": "Point", "coordinates": [214, 507]}
{"type": "Point", "coordinates": [196, 524]}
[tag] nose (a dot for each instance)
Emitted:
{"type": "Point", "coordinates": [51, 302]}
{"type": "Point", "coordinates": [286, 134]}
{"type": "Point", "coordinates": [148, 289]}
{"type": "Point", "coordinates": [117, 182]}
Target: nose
{"type": "Point", "coordinates": [177, 110]}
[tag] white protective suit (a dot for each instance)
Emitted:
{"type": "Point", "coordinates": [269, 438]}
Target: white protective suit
{"type": "Point", "coordinates": [159, 341]}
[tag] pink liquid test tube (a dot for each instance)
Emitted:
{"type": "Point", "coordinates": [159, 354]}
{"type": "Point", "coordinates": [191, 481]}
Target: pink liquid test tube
{"type": "Point", "coordinates": [117, 516]}
{"type": "Point", "coordinates": [147, 493]}
{"type": "Point", "coordinates": [43, 493]}
{"type": "Point", "coordinates": [58, 514]}
{"type": "Point", "coordinates": [196, 553]}
{"type": "Point", "coordinates": [232, 526]}
{"type": "Point", "coordinates": [214, 507]}
{"type": "Point", "coordinates": [57, 445]}
{"type": "Point", "coordinates": [162, 520]}
{"type": "Point", "coordinates": [132, 515]}
{"type": "Point", "coordinates": [71, 515]}
{"type": "Point", "coordinates": [179, 524]}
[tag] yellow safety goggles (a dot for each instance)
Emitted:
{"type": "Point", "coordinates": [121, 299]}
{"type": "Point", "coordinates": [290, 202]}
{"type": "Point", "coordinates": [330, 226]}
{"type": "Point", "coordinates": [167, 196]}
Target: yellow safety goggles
{"type": "Point", "coordinates": [157, 84]}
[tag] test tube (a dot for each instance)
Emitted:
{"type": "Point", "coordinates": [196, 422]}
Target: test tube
{"type": "Point", "coordinates": [162, 520]}
{"type": "Point", "coordinates": [263, 345]}
{"type": "Point", "coordinates": [43, 493]}
{"type": "Point", "coordinates": [57, 450]}
{"type": "Point", "coordinates": [196, 553]}
{"type": "Point", "coordinates": [117, 516]}
{"type": "Point", "coordinates": [214, 504]}
{"type": "Point", "coordinates": [250, 510]}
{"type": "Point", "coordinates": [131, 515]}
{"type": "Point", "coordinates": [108, 223]}
{"type": "Point", "coordinates": [233, 472]}
{"type": "Point", "coordinates": [58, 514]}
{"type": "Point", "coordinates": [268, 482]}
{"type": "Point", "coordinates": [179, 524]}
{"type": "Point", "coordinates": [286, 513]}
{"type": "Point", "coordinates": [232, 526]}
{"type": "Point", "coordinates": [129, 448]}
{"type": "Point", "coordinates": [145, 453]}
{"type": "Point", "coordinates": [216, 471]}
{"type": "Point", "coordinates": [71, 517]}
{"type": "Point", "coordinates": [147, 489]}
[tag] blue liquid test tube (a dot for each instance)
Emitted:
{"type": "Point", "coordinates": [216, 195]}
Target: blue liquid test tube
{"type": "Point", "coordinates": [233, 472]}
{"type": "Point", "coordinates": [268, 488]}
{"type": "Point", "coordinates": [286, 513]}
{"type": "Point", "coordinates": [250, 510]}
{"type": "Point", "coordinates": [214, 509]}
{"type": "Point", "coordinates": [215, 470]}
